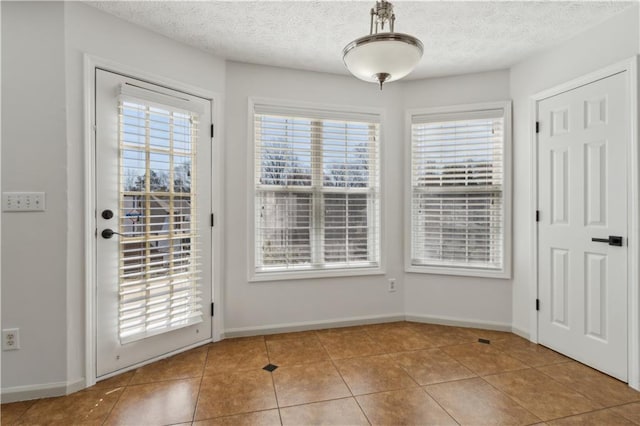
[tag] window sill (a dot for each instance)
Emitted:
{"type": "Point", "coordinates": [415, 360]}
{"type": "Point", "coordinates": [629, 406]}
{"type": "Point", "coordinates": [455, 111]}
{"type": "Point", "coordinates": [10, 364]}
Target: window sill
{"type": "Point", "coordinates": [314, 273]}
{"type": "Point", "coordinates": [459, 271]}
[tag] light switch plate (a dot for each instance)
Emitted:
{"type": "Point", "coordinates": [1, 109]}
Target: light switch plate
{"type": "Point", "coordinates": [23, 201]}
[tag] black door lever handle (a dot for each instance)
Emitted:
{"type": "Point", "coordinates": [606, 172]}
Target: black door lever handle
{"type": "Point", "coordinates": [613, 240]}
{"type": "Point", "coordinates": [108, 233]}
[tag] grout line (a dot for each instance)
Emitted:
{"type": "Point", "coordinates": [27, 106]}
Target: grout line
{"type": "Point", "coordinates": [510, 397]}
{"type": "Point", "coordinates": [362, 410]}
{"type": "Point", "coordinates": [424, 389]}
{"type": "Point", "coordinates": [585, 412]}
{"type": "Point", "coordinates": [275, 394]}
{"type": "Point", "coordinates": [204, 367]}
{"type": "Point", "coordinates": [124, 389]}
{"type": "Point", "coordinates": [33, 403]}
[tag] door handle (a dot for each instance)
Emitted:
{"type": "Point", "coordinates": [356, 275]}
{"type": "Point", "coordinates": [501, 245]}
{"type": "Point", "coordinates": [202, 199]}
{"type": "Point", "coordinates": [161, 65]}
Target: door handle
{"type": "Point", "coordinates": [108, 233]}
{"type": "Point", "coordinates": [613, 240]}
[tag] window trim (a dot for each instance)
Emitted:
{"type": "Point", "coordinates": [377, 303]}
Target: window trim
{"type": "Point", "coordinates": [301, 274]}
{"type": "Point", "coordinates": [505, 272]}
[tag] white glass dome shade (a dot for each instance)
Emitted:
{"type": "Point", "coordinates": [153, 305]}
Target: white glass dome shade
{"type": "Point", "coordinates": [382, 57]}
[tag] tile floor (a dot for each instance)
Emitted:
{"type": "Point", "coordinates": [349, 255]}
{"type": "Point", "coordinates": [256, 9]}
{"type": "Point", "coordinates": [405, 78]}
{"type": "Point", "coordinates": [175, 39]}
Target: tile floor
{"type": "Point", "coordinates": [386, 374]}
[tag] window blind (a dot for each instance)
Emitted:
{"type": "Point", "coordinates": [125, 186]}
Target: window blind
{"type": "Point", "coordinates": [316, 190]}
{"type": "Point", "coordinates": [159, 276]}
{"type": "Point", "coordinates": [457, 180]}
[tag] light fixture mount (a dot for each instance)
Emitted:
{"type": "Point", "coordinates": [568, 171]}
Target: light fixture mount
{"type": "Point", "coordinates": [381, 57]}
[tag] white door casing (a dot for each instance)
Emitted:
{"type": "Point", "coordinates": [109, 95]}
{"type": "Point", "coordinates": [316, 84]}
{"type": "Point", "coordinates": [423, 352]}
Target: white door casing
{"type": "Point", "coordinates": [582, 194]}
{"type": "Point", "coordinates": [113, 353]}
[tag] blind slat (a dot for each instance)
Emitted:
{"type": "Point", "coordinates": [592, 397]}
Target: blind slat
{"type": "Point", "coordinates": [159, 272]}
{"type": "Point", "coordinates": [316, 189]}
{"type": "Point", "coordinates": [457, 177]}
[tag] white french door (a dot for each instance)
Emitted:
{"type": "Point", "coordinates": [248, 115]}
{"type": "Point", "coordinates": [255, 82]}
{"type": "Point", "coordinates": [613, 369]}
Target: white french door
{"type": "Point", "coordinates": [582, 235]}
{"type": "Point", "coordinates": [153, 205]}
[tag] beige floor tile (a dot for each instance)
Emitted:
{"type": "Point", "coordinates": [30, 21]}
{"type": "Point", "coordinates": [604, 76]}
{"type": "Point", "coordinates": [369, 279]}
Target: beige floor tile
{"type": "Point", "coordinates": [629, 411]}
{"type": "Point", "coordinates": [88, 407]}
{"type": "Point", "coordinates": [483, 359]}
{"type": "Point", "coordinates": [349, 345]}
{"type": "Point", "coordinates": [591, 383]}
{"type": "Point", "coordinates": [373, 374]}
{"type": "Point", "coordinates": [11, 412]}
{"type": "Point", "coordinates": [115, 382]}
{"type": "Point", "coordinates": [529, 353]}
{"type": "Point", "coordinates": [157, 403]}
{"type": "Point", "coordinates": [394, 325]}
{"type": "Point", "coordinates": [431, 366]}
{"type": "Point", "coordinates": [258, 418]}
{"type": "Point", "coordinates": [235, 393]}
{"type": "Point", "coordinates": [330, 413]}
{"type": "Point", "coordinates": [403, 407]}
{"type": "Point", "coordinates": [301, 384]}
{"type": "Point", "coordinates": [289, 336]}
{"type": "Point", "coordinates": [476, 402]}
{"type": "Point", "coordinates": [182, 366]}
{"type": "Point", "coordinates": [541, 395]}
{"type": "Point", "coordinates": [236, 355]}
{"type": "Point", "coordinates": [595, 418]}
{"type": "Point", "coordinates": [491, 335]}
{"type": "Point", "coordinates": [398, 339]}
{"type": "Point", "coordinates": [340, 330]}
{"type": "Point", "coordinates": [296, 351]}
{"type": "Point", "coordinates": [440, 335]}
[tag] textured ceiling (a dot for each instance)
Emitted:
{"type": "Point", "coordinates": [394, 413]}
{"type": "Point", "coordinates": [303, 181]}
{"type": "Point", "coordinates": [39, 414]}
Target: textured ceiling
{"type": "Point", "coordinates": [459, 37]}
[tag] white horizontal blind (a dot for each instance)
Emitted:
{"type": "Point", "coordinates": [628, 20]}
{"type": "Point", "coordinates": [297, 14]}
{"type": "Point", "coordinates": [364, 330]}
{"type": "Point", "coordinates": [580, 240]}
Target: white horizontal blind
{"type": "Point", "coordinates": [457, 178]}
{"type": "Point", "coordinates": [316, 190]}
{"type": "Point", "coordinates": [159, 276]}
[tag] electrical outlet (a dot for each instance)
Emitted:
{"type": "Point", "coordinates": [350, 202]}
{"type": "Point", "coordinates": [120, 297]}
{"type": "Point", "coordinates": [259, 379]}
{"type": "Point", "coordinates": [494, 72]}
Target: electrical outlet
{"type": "Point", "coordinates": [392, 285]}
{"type": "Point", "coordinates": [10, 339]}
{"type": "Point", "coordinates": [23, 201]}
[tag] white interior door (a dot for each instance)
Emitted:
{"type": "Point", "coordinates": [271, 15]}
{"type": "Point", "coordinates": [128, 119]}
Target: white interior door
{"type": "Point", "coordinates": [153, 177]}
{"type": "Point", "coordinates": [583, 147]}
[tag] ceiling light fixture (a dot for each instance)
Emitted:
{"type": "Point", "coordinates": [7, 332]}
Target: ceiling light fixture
{"type": "Point", "coordinates": [382, 57]}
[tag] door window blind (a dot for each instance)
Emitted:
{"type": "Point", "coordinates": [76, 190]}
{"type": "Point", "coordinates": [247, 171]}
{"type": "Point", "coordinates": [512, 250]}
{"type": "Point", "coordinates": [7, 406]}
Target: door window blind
{"type": "Point", "coordinates": [316, 190]}
{"type": "Point", "coordinates": [457, 183]}
{"type": "Point", "coordinates": [159, 266]}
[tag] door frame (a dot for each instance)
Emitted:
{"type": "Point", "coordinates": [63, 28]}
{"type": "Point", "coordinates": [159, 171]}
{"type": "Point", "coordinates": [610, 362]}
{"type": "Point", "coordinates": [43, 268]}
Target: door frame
{"type": "Point", "coordinates": [630, 66]}
{"type": "Point", "coordinates": [91, 63]}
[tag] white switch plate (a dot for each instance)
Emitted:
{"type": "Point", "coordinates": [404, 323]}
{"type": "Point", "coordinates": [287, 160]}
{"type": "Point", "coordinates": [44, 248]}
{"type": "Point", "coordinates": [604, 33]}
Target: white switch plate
{"type": "Point", "coordinates": [23, 201]}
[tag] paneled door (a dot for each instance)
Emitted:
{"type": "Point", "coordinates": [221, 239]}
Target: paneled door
{"type": "Point", "coordinates": [153, 204]}
{"type": "Point", "coordinates": [582, 235]}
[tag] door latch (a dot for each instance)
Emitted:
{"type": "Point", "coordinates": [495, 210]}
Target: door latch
{"type": "Point", "coordinates": [613, 240]}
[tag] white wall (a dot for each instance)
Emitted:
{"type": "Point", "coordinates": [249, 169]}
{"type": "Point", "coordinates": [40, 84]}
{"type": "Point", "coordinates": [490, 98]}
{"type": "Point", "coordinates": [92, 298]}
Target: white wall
{"type": "Point", "coordinates": [34, 159]}
{"type": "Point", "coordinates": [475, 300]}
{"type": "Point", "coordinates": [43, 150]}
{"type": "Point", "coordinates": [90, 31]}
{"type": "Point", "coordinates": [249, 305]}
{"type": "Point", "coordinates": [614, 40]}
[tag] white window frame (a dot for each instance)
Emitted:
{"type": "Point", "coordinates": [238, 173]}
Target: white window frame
{"type": "Point", "coordinates": [505, 272]}
{"type": "Point", "coordinates": [312, 272]}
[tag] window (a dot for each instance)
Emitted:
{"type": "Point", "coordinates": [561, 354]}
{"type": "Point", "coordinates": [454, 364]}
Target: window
{"type": "Point", "coordinates": [316, 190]}
{"type": "Point", "coordinates": [460, 212]}
{"type": "Point", "coordinates": [159, 278]}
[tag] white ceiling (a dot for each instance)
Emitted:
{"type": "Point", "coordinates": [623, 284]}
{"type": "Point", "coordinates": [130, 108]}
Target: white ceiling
{"type": "Point", "coordinates": [459, 37]}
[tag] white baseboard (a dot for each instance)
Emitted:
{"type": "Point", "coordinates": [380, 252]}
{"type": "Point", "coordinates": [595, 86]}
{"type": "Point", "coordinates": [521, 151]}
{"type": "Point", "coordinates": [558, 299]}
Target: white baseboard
{"type": "Point", "coordinates": [76, 386]}
{"type": "Point", "coordinates": [23, 393]}
{"type": "Point", "coordinates": [310, 325]}
{"type": "Point", "coordinates": [459, 322]}
{"type": "Point", "coordinates": [520, 332]}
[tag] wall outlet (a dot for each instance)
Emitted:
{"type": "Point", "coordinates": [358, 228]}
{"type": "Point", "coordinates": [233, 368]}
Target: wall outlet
{"type": "Point", "coordinates": [392, 285]}
{"type": "Point", "coordinates": [10, 339]}
{"type": "Point", "coordinates": [23, 201]}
